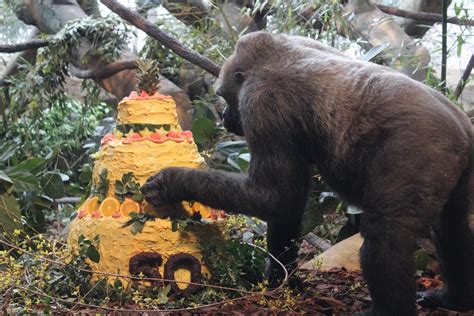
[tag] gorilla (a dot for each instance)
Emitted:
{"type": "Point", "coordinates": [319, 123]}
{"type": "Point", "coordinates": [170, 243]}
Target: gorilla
{"type": "Point", "coordinates": [397, 149]}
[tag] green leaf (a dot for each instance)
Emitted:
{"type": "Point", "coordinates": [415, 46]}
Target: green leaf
{"type": "Point", "coordinates": [243, 161]}
{"type": "Point", "coordinates": [103, 174]}
{"type": "Point", "coordinates": [7, 153]}
{"type": "Point", "coordinates": [10, 214]}
{"type": "Point", "coordinates": [232, 160]}
{"type": "Point", "coordinates": [421, 259]}
{"type": "Point", "coordinates": [354, 210]}
{"type": "Point", "coordinates": [93, 254]}
{"type": "Point", "coordinates": [138, 197]}
{"type": "Point", "coordinates": [127, 177]}
{"type": "Point", "coordinates": [52, 154]}
{"type": "Point", "coordinates": [457, 9]}
{"type": "Point", "coordinates": [42, 202]}
{"type": "Point", "coordinates": [203, 130]}
{"type": "Point", "coordinates": [229, 147]}
{"type": "Point", "coordinates": [374, 51]}
{"type": "Point", "coordinates": [22, 180]}
{"type": "Point", "coordinates": [137, 227]}
{"type": "Point", "coordinates": [5, 178]}
{"type": "Point", "coordinates": [163, 294]}
{"type": "Point", "coordinates": [86, 174]}
{"type": "Point", "coordinates": [33, 165]}
{"type": "Point", "coordinates": [174, 224]}
{"type": "Point", "coordinates": [460, 42]}
{"type": "Point", "coordinates": [53, 185]}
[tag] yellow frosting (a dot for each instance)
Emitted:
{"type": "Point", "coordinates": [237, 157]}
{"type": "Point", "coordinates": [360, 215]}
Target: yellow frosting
{"type": "Point", "coordinates": [144, 159]}
{"type": "Point", "coordinates": [117, 244]}
{"type": "Point", "coordinates": [149, 111]}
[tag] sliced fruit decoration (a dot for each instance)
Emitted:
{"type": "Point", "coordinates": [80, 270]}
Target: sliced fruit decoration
{"type": "Point", "coordinates": [155, 137]}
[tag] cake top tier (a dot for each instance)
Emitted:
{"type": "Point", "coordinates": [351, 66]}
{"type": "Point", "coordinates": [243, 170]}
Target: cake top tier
{"type": "Point", "coordinates": [145, 109]}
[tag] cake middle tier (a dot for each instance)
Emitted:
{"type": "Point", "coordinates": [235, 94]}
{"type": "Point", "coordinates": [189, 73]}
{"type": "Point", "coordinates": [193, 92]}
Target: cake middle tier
{"type": "Point", "coordinates": [143, 159]}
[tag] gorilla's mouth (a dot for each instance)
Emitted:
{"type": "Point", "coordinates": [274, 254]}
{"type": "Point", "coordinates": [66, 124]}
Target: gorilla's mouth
{"type": "Point", "coordinates": [232, 122]}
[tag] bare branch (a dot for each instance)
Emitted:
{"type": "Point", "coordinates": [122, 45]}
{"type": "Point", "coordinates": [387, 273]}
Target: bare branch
{"type": "Point", "coordinates": [176, 46]}
{"type": "Point", "coordinates": [104, 71]}
{"type": "Point", "coordinates": [465, 76]}
{"type": "Point", "coordinates": [423, 16]}
{"type": "Point", "coordinates": [34, 43]}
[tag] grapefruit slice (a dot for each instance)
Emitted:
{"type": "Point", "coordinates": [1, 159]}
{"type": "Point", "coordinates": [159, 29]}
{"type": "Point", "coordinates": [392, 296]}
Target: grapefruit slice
{"type": "Point", "coordinates": [129, 206]}
{"type": "Point", "coordinates": [92, 205]}
{"type": "Point", "coordinates": [109, 206]}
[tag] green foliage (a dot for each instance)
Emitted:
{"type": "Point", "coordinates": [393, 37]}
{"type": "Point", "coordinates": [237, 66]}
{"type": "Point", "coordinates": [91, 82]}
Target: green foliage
{"type": "Point", "coordinates": [38, 131]}
{"type": "Point", "coordinates": [236, 155]}
{"type": "Point", "coordinates": [203, 130]}
{"type": "Point", "coordinates": [207, 39]}
{"type": "Point", "coordinates": [88, 248]}
{"type": "Point", "coordinates": [10, 215]}
{"type": "Point", "coordinates": [41, 84]}
{"type": "Point", "coordinates": [27, 188]}
{"type": "Point", "coordinates": [421, 258]}
{"type": "Point", "coordinates": [128, 187]}
{"type": "Point", "coordinates": [234, 263]}
{"type": "Point", "coordinates": [137, 221]}
{"type": "Point", "coordinates": [125, 128]}
{"type": "Point", "coordinates": [102, 186]}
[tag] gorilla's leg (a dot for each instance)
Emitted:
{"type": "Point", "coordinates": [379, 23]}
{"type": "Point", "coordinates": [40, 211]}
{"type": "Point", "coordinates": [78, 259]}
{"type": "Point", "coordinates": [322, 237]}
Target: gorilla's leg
{"type": "Point", "coordinates": [281, 241]}
{"type": "Point", "coordinates": [387, 260]}
{"type": "Point", "coordinates": [454, 242]}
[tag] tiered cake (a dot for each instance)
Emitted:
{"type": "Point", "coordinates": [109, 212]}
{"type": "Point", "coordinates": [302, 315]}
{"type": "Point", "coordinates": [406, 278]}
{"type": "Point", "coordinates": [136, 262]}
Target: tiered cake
{"type": "Point", "coordinates": [147, 138]}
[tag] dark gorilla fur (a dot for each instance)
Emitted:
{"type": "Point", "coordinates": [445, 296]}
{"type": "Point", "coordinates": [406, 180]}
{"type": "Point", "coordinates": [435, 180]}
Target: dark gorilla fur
{"type": "Point", "coordinates": [385, 143]}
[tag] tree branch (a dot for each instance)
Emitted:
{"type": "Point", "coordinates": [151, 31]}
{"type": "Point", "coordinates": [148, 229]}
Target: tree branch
{"type": "Point", "coordinates": [423, 16]}
{"type": "Point", "coordinates": [464, 77]}
{"type": "Point", "coordinates": [104, 71]}
{"type": "Point", "coordinates": [146, 26]}
{"type": "Point", "coordinates": [34, 43]}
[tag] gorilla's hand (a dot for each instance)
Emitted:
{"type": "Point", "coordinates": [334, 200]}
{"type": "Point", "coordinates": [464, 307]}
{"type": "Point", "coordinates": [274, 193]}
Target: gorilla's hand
{"type": "Point", "coordinates": [165, 187]}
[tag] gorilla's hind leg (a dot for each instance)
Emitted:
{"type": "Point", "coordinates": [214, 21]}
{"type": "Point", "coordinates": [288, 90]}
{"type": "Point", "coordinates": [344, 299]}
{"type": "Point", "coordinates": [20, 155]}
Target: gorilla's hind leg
{"type": "Point", "coordinates": [454, 242]}
{"type": "Point", "coordinates": [387, 260]}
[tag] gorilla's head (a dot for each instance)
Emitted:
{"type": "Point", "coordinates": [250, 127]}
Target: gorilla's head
{"type": "Point", "coordinates": [251, 52]}
{"type": "Point", "coordinates": [229, 84]}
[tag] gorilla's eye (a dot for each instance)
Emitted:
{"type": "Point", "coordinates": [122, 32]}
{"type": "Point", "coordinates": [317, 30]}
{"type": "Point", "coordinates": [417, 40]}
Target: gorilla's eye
{"type": "Point", "coordinates": [239, 77]}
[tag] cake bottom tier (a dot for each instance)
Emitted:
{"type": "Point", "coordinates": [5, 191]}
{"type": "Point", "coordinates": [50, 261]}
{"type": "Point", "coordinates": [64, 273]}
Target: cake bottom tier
{"type": "Point", "coordinates": [176, 254]}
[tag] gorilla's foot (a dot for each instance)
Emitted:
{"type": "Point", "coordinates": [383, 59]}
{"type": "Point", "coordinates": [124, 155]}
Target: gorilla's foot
{"type": "Point", "coordinates": [441, 299]}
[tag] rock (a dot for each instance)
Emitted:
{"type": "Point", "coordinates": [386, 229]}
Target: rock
{"type": "Point", "coordinates": [343, 254]}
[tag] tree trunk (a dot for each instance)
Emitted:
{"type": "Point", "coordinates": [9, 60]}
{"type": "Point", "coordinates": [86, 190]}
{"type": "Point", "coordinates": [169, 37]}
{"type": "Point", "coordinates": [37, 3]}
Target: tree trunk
{"type": "Point", "coordinates": [51, 16]}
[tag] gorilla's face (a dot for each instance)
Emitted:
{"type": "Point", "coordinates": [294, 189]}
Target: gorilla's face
{"type": "Point", "coordinates": [229, 84]}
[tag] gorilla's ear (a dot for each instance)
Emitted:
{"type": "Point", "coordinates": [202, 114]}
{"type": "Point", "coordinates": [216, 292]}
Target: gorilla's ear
{"type": "Point", "coordinates": [239, 77]}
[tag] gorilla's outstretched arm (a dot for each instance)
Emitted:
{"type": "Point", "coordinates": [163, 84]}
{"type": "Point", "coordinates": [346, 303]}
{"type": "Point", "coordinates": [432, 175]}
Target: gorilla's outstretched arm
{"type": "Point", "coordinates": [255, 194]}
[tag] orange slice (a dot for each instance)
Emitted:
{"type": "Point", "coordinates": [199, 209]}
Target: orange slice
{"type": "Point", "coordinates": [204, 210]}
{"type": "Point", "coordinates": [92, 205]}
{"type": "Point", "coordinates": [129, 206]}
{"type": "Point", "coordinates": [109, 206]}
